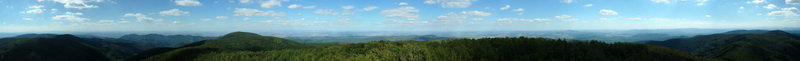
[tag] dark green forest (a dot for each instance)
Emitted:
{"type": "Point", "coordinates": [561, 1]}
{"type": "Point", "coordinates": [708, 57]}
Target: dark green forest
{"type": "Point", "coordinates": [739, 45]}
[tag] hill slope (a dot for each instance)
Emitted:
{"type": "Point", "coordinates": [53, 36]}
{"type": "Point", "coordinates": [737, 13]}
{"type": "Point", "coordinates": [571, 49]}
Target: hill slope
{"type": "Point", "coordinates": [56, 48]}
{"type": "Point", "coordinates": [242, 46]}
{"type": "Point", "coordinates": [236, 41]}
{"type": "Point", "coordinates": [746, 45]}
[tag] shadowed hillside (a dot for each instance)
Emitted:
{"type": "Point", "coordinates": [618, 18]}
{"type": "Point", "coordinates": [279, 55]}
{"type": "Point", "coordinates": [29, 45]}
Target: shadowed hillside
{"type": "Point", "coordinates": [745, 45]}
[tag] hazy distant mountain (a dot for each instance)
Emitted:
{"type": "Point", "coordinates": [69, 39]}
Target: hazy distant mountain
{"type": "Point", "coordinates": [745, 45]}
{"type": "Point", "coordinates": [165, 40]}
{"type": "Point", "coordinates": [55, 48]}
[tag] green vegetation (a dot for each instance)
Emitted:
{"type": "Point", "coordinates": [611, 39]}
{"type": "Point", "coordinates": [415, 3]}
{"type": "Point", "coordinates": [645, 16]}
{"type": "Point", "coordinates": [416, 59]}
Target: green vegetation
{"type": "Point", "coordinates": [241, 46]}
{"type": "Point", "coordinates": [744, 45]}
{"type": "Point", "coordinates": [55, 48]}
{"type": "Point", "coordinates": [363, 39]}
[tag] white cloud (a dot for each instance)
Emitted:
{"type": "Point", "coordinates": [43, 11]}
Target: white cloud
{"type": "Point", "coordinates": [246, 19]}
{"type": "Point", "coordinates": [222, 17]}
{"type": "Point", "coordinates": [659, 19]}
{"type": "Point", "coordinates": [309, 7]}
{"type": "Point", "coordinates": [255, 12]}
{"type": "Point", "coordinates": [793, 2]}
{"type": "Point", "coordinates": [71, 17]}
{"type": "Point", "coordinates": [27, 18]}
{"type": "Point", "coordinates": [661, 1]}
{"type": "Point", "coordinates": [206, 19]}
{"type": "Point", "coordinates": [293, 6]}
{"type": "Point", "coordinates": [741, 7]}
{"type": "Point", "coordinates": [478, 19]}
{"type": "Point", "coordinates": [512, 20]}
{"type": "Point", "coordinates": [370, 8]}
{"type": "Point", "coordinates": [563, 16]}
{"type": "Point", "coordinates": [588, 5]}
{"type": "Point", "coordinates": [141, 18]}
{"type": "Point", "coordinates": [176, 22]}
{"type": "Point", "coordinates": [410, 13]}
{"type": "Point", "coordinates": [702, 2]}
{"type": "Point", "coordinates": [405, 22]}
{"type": "Point", "coordinates": [518, 9]}
{"type": "Point", "coordinates": [755, 1]}
{"type": "Point", "coordinates": [33, 11]}
{"type": "Point", "coordinates": [123, 21]}
{"type": "Point", "coordinates": [402, 3]}
{"type": "Point", "coordinates": [771, 6]}
{"type": "Point", "coordinates": [173, 12]}
{"type": "Point", "coordinates": [188, 3]}
{"type": "Point", "coordinates": [567, 1]}
{"type": "Point", "coordinates": [608, 12]}
{"type": "Point", "coordinates": [74, 13]}
{"type": "Point", "coordinates": [105, 21]}
{"type": "Point", "coordinates": [460, 17]}
{"type": "Point", "coordinates": [505, 7]}
{"type": "Point", "coordinates": [244, 1]}
{"type": "Point", "coordinates": [326, 11]}
{"type": "Point", "coordinates": [786, 12]}
{"type": "Point", "coordinates": [271, 4]}
{"type": "Point", "coordinates": [348, 7]}
{"type": "Point", "coordinates": [78, 4]}
{"type": "Point", "coordinates": [451, 3]}
{"type": "Point", "coordinates": [708, 15]}
{"type": "Point", "coordinates": [35, 6]}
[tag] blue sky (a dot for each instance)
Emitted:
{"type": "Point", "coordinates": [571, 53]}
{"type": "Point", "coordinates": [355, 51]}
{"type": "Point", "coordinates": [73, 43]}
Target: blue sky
{"type": "Point", "coordinates": [397, 15]}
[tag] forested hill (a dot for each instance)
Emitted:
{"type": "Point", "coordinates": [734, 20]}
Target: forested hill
{"type": "Point", "coordinates": [745, 45]}
{"type": "Point", "coordinates": [243, 46]}
{"type": "Point", "coordinates": [236, 41]}
{"type": "Point", "coordinates": [55, 48]}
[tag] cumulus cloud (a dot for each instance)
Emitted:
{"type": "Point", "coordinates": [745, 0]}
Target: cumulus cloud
{"type": "Point", "coordinates": [588, 5]}
{"type": "Point", "coordinates": [244, 1]}
{"type": "Point", "coordinates": [702, 2]}
{"type": "Point", "coordinates": [771, 6]}
{"type": "Point", "coordinates": [34, 9]}
{"type": "Point", "coordinates": [402, 3]}
{"type": "Point", "coordinates": [460, 17]}
{"type": "Point", "coordinates": [405, 22]}
{"type": "Point", "coordinates": [255, 12]}
{"type": "Point", "coordinates": [567, 1]}
{"type": "Point", "coordinates": [562, 16]}
{"type": "Point", "coordinates": [222, 17]}
{"type": "Point", "coordinates": [505, 7]}
{"type": "Point", "coordinates": [451, 3]}
{"type": "Point", "coordinates": [70, 16]}
{"type": "Point", "coordinates": [188, 3]}
{"type": "Point", "coordinates": [518, 9]}
{"type": "Point", "coordinates": [246, 19]}
{"type": "Point", "coordinates": [271, 4]}
{"type": "Point", "coordinates": [708, 15]}
{"type": "Point", "coordinates": [348, 7]}
{"type": "Point", "coordinates": [78, 4]}
{"type": "Point", "coordinates": [141, 18]}
{"type": "Point", "coordinates": [326, 11]}
{"type": "Point", "coordinates": [369, 8]}
{"type": "Point", "coordinates": [295, 6]}
{"type": "Point", "coordinates": [793, 2]}
{"type": "Point", "coordinates": [608, 12]}
{"type": "Point", "coordinates": [786, 12]}
{"type": "Point", "coordinates": [410, 13]}
{"type": "Point", "coordinates": [755, 1]}
{"type": "Point", "coordinates": [206, 19]}
{"type": "Point", "coordinates": [173, 12]}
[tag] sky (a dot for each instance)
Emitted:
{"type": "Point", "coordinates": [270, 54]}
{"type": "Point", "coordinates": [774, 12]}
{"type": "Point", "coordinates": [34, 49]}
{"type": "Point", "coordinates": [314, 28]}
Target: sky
{"type": "Point", "coordinates": [392, 15]}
